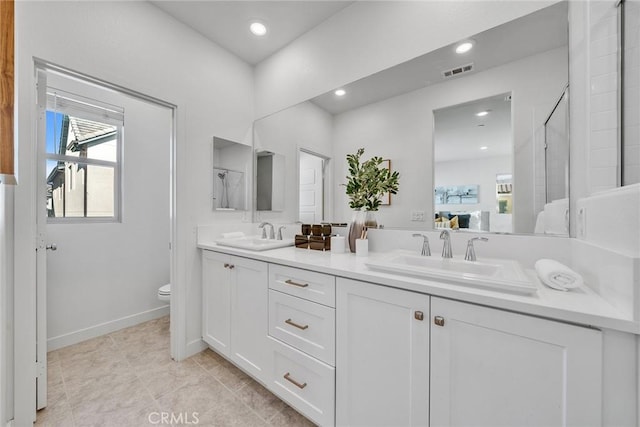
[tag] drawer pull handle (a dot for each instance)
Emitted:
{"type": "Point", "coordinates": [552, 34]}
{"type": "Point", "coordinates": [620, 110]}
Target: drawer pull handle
{"type": "Point", "coordinates": [287, 377]}
{"type": "Point", "coordinates": [292, 323]}
{"type": "Point", "coordinates": [300, 285]}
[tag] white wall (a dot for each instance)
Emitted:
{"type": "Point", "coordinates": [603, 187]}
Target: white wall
{"type": "Point", "coordinates": [481, 171]}
{"type": "Point", "coordinates": [137, 46]}
{"type": "Point", "coordinates": [302, 126]}
{"type": "Point", "coordinates": [337, 52]}
{"type": "Point", "coordinates": [401, 129]}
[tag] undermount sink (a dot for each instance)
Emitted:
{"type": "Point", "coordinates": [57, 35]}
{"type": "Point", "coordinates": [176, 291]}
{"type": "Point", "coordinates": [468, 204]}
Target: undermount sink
{"type": "Point", "coordinates": [495, 274]}
{"type": "Point", "coordinates": [254, 243]}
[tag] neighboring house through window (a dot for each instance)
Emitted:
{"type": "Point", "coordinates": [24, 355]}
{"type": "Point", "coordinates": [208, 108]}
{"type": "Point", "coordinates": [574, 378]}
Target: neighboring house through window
{"type": "Point", "coordinates": [84, 139]}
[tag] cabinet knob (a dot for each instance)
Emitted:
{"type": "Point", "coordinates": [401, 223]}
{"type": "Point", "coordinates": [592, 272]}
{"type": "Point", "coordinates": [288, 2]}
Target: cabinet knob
{"type": "Point", "coordinates": [418, 315]}
{"type": "Point", "coordinates": [438, 320]}
{"type": "Point", "coordinates": [231, 266]}
{"type": "Point", "coordinates": [226, 265]}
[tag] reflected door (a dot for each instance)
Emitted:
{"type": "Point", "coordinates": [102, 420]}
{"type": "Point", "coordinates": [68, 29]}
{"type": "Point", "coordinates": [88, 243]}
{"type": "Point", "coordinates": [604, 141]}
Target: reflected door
{"type": "Point", "coordinates": [311, 188]}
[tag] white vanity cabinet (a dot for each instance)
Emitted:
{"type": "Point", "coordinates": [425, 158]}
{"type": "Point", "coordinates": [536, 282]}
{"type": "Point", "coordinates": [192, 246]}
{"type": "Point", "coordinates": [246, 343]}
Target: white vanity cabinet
{"type": "Point", "coordinates": [302, 340]}
{"type": "Point", "coordinates": [491, 367]}
{"type": "Point", "coordinates": [235, 304]}
{"type": "Point", "coordinates": [382, 356]}
{"type": "Point", "coordinates": [353, 353]}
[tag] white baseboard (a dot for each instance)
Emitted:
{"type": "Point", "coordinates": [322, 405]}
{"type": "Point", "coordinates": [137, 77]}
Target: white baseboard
{"type": "Point", "coordinates": [105, 328]}
{"type": "Point", "coordinates": [195, 347]}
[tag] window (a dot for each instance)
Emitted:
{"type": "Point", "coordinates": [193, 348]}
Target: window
{"type": "Point", "coordinates": [83, 158]}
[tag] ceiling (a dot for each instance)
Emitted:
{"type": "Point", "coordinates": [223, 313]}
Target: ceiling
{"type": "Point", "coordinates": [226, 23]}
{"type": "Point", "coordinates": [535, 33]}
{"type": "Point", "coordinates": [459, 132]}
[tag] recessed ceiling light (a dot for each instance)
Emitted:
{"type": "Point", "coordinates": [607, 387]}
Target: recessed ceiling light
{"type": "Point", "coordinates": [482, 113]}
{"type": "Point", "coordinates": [258, 28]}
{"type": "Point", "coordinates": [464, 46]}
{"type": "Point", "coordinates": [484, 147]}
{"type": "Point", "coordinates": [340, 92]}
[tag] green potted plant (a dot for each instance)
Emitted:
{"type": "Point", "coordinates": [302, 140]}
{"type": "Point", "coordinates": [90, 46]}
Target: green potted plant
{"type": "Point", "coordinates": [366, 183]}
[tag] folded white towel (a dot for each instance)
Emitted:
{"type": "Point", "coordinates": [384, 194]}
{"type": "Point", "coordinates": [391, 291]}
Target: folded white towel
{"type": "Point", "coordinates": [556, 217]}
{"type": "Point", "coordinates": [233, 235]}
{"type": "Point", "coordinates": [557, 276]}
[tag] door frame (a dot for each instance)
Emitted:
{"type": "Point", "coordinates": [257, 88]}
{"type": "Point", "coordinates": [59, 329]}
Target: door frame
{"type": "Point", "coordinates": [25, 226]}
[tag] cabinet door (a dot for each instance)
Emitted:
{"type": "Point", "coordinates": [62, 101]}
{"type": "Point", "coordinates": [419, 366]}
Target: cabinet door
{"type": "Point", "coordinates": [382, 356]}
{"type": "Point", "coordinates": [494, 368]}
{"type": "Point", "coordinates": [216, 299]}
{"type": "Point", "coordinates": [249, 316]}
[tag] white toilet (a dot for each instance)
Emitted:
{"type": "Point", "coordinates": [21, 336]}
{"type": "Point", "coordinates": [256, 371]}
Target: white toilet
{"type": "Point", "coordinates": [164, 293]}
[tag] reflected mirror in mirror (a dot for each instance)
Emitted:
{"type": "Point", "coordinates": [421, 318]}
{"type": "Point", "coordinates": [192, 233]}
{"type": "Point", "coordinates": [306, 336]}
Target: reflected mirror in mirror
{"type": "Point", "coordinates": [472, 147]}
{"type": "Point", "coordinates": [270, 181]}
{"type": "Point", "coordinates": [390, 114]}
{"type": "Point", "coordinates": [231, 165]}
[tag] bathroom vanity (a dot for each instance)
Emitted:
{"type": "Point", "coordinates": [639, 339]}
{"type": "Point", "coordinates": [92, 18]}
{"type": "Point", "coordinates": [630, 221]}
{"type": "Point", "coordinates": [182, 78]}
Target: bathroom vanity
{"type": "Point", "coordinates": [346, 345]}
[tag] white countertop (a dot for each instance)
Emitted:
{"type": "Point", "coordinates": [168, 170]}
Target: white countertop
{"type": "Point", "coordinates": [582, 305]}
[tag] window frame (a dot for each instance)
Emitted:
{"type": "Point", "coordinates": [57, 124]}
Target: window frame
{"type": "Point", "coordinates": [99, 112]}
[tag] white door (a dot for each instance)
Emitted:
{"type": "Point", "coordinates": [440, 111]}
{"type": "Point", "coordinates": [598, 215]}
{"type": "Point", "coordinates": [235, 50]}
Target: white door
{"type": "Point", "coordinates": [249, 318]}
{"type": "Point", "coordinates": [311, 188]}
{"type": "Point", "coordinates": [107, 211]}
{"type": "Point", "coordinates": [216, 301]}
{"type": "Point", "coordinates": [494, 368]}
{"type": "Point", "coordinates": [382, 356]}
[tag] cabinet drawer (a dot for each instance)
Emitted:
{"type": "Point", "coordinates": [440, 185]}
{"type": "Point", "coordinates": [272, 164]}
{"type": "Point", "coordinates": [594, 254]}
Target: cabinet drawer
{"type": "Point", "coordinates": [305, 383]}
{"type": "Point", "coordinates": [303, 324]}
{"type": "Point", "coordinates": [305, 284]}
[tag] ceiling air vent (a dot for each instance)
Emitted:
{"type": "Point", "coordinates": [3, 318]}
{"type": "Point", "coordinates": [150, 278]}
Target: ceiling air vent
{"type": "Point", "coordinates": [457, 71]}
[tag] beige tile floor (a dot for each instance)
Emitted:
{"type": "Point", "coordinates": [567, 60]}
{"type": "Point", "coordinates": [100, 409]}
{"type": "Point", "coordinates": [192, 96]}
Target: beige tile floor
{"type": "Point", "coordinates": [128, 379]}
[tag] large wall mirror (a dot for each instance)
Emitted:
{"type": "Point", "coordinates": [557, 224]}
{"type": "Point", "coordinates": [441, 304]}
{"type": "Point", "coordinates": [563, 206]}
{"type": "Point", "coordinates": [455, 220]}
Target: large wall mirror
{"type": "Point", "coordinates": [518, 70]}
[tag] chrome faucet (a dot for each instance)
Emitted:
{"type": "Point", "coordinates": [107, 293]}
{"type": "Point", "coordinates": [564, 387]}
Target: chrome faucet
{"type": "Point", "coordinates": [446, 246]}
{"type": "Point", "coordinates": [272, 235]}
{"type": "Point", "coordinates": [280, 232]}
{"type": "Point", "coordinates": [426, 250]}
{"type": "Point", "coordinates": [470, 255]}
